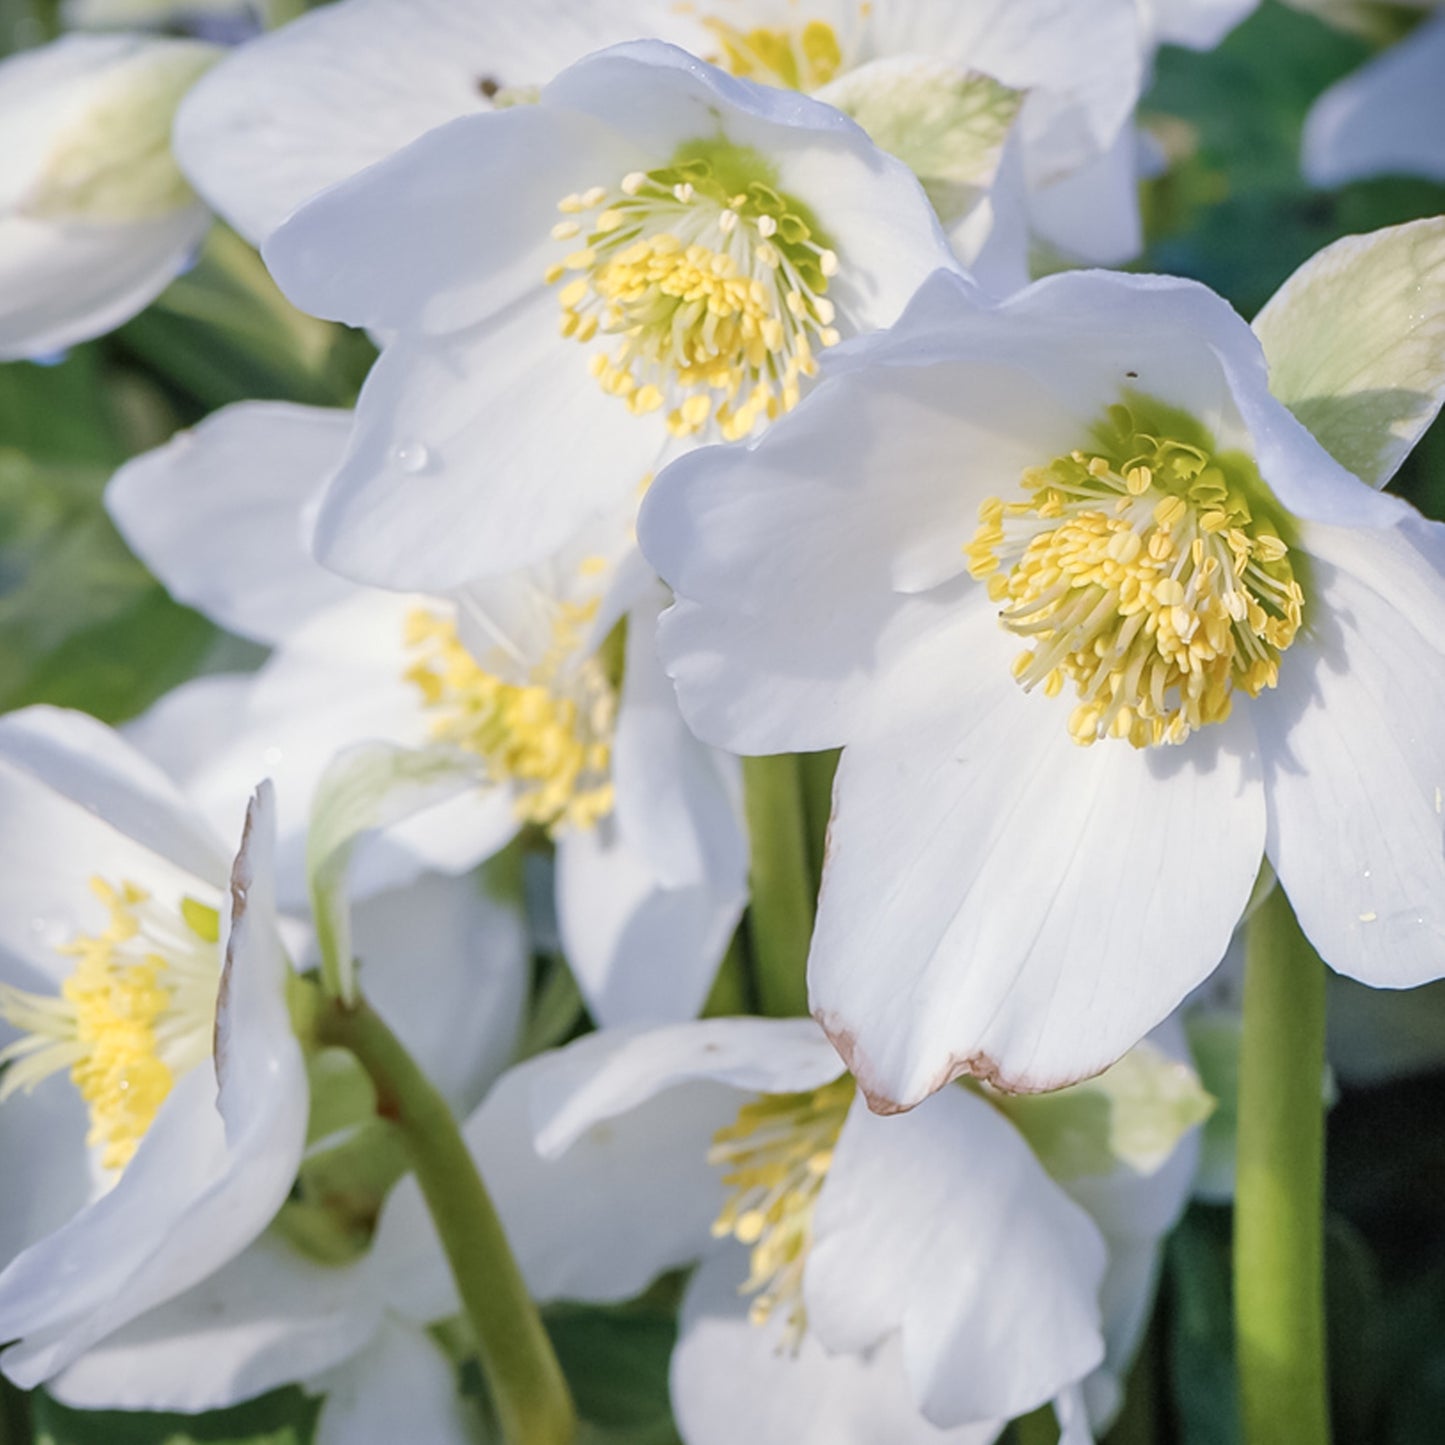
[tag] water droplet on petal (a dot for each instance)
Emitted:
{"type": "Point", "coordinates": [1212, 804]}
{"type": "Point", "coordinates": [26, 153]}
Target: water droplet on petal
{"type": "Point", "coordinates": [412, 457]}
{"type": "Point", "coordinates": [272, 757]}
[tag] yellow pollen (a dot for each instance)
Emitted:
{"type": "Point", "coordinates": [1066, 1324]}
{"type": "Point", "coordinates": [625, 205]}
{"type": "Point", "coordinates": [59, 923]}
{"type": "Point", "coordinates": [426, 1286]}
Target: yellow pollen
{"type": "Point", "coordinates": [801, 59]}
{"type": "Point", "coordinates": [1148, 575]}
{"type": "Point", "coordinates": [775, 1157]}
{"type": "Point", "coordinates": [135, 1013]}
{"type": "Point", "coordinates": [549, 734]}
{"type": "Point", "coordinates": [710, 299]}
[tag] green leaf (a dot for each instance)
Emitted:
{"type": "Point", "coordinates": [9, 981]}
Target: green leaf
{"type": "Point", "coordinates": [1134, 1113]}
{"type": "Point", "coordinates": [82, 623]}
{"type": "Point", "coordinates": [285, 1417]}
{"type": "Point", "coordinates": [1201, 1342]}
{"type": "Point", "coordinates": [223, 332]}
{"type": "Point", "coordinates": [948, 125]}
{"type": "Point", "coordinates": [616, 1361]}
{"type": "Point", "coordinates": [1356, 344]}
{"type": "Point", "coordinates": [556, 1011]}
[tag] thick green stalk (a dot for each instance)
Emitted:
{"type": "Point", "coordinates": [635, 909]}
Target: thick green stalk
{"type": "Point", "coordinates": [815, 773]}
{"type": "Point", "coordinates": [780, 915]}
{"type": "Point", "coordinates": [1279, 1194]}
{"type": "Point", "coordinates": [531, 1397]}
{"type": "Point", "coordinates": [1038, 1428]}
{"type": "Point", "coordinates": [729, 994]}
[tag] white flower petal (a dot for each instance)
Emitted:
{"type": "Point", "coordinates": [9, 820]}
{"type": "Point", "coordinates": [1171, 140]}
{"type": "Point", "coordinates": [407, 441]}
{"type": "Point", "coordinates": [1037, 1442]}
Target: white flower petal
{"type": "Point", "coordinates": [94, 221]}
{"type": "Point", "coordinates": [321, 98]}
{"type": "Point", "coordinates": [208, 1176]}
{"type": "Point", "coordinates": [47, 1177]}
{"type": "Point", "coordinates": [1037, 919]}
{"type": "Point", "coordinates": [1354, 775]}
{"type": "Point", "coordinates": [1093, 212]}
{"type": "Point", "coordinates": [219, 514]}
{"type": "Point", "coordinates": [641, 952]}
{"type": "Point", "coordinates": [733, 1380]}
{"type": "Point", "coordinates": [678, 801]}
{"type": "Point", "coordinates": [269, 1318]}
{"type": "Point", "coordinates": [941, 1224]}
{"type": "Point", "coordinates": [613, 1206]}
{"type": "Point", "coordinates": [65, 283]}
{"type": "Point", "coordinates": [1386, 118]}
{"type": "Point", "coordinates": [77, 803]}
{"type": "Point", "coordinates": [449, 231]}
{"type": "Point", "coordinates": [449, 477]}
{"type": "Point", "coordinates": [1356, 344]}
{"type": "Point", "coordinates": [1404, 565]}
{"type": "Point", "coordinates": [448, 967]}
{"type": "Point", "coordinates": [605, 1075]}
{"type": "Point", "coordinates": [799, 546]}
{"type": "Point", "coordinates": [338, 681]}
{"type": "Point", "coordinates": [402, 1388]}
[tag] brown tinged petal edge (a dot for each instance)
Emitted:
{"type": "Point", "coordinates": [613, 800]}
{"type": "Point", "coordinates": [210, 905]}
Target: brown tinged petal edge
{"type": "Point", "coordinates": [978, 1066]}
{"type": "Point", "coordinates": [241, 877]}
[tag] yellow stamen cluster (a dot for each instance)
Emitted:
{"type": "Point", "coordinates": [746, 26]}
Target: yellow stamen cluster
{"type": "Point", "coordinates": [801, 59]}
{"type": "Point", "coordinates": [713, 296]}
{"type": "Point", "coordinates": [549, 735]}
{"type": "Point", "coordinates": [135, 1014]}
{"type": "Point", "coordinates": [776, 1155]}
{"type": "Point", "coordinates": [1144, 574]}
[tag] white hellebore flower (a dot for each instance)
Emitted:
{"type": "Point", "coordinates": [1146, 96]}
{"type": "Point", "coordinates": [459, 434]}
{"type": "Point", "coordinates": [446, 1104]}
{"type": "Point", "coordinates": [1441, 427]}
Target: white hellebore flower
{"type": "Point", "coordinates": [95, 217]}
{"type": "Point", "coordinates": [1015, 114]}
{"type": "Point", "coordinates": [864, 1281]}
{"type": "Point", "coordinates": [1386, 118]}
{"type": "Point", "coordinates": [556, 720]}
{"type": "Point", "coordinates": [153, 1102]}
{"type": "Point", "coordinates": [1099, 624]}
{"type": "Point", "coordinates": [325, 1297]}
{"type": "Point", "coordinates": [650, 256]}
{"type": "Point", "coordinates": [348, 83]}
{"type": "Point", "coordinates": [993, 104]}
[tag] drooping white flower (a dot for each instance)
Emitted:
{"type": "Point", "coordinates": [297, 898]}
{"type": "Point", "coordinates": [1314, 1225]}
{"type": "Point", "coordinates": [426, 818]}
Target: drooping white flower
{"type": "Point", "coordinates": [654, 252]}
{"type": "Point", "coordinates": [154, 1099]}
{"type": "Point", "coordinates": [559, 727]}
{"type": "Point", "coordinates": [325, 1297]}
{"type": "Point", "coordinates": [863, 1280]}
{"type": "Point", "coordinates": [1190, 637]}
{"type": "Point", "coordinates": [1386, 118]}
{"type": "Point", "coordinates": [95, 217]}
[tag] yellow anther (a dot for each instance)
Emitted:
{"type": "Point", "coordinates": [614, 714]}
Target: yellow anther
{"type": "Point", "coordinates": [1154, 604]}
{"type": "Point", "coordinates": [136, 1012]}
{"type": "Point", "coordinates": [775, 1157]}
{"type": "Point", "coordinates": [714, 331]}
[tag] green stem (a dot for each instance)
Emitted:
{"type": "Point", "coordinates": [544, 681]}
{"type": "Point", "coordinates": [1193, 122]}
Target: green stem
{"type": "Point", "coordinates": [527, 1386]}
{"type": "Point", "coordinates": [815, 773]}
{"type": "Point", "coordinates": [729, 993]}
{"type": "Point", "coordinates": [780, 915]}
{"type": "Point", "coordinates": [1279, 1192]}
